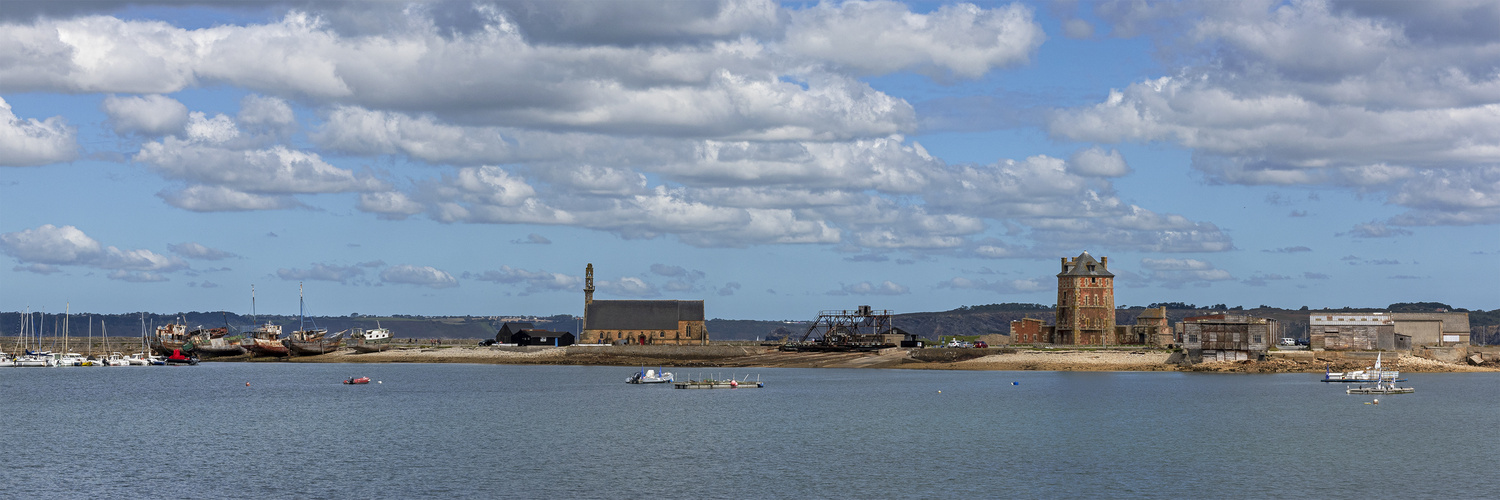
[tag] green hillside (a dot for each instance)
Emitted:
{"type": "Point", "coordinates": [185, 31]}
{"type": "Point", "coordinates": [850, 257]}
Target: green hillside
{"type": "Point", "coordinates": [965, 320]}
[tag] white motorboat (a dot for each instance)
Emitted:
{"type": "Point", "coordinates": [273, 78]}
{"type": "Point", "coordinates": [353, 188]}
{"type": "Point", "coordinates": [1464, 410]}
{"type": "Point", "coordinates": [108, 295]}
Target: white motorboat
{"type": "Point", "coordinates": [1371, 374]}
{"type": "Point", "coordinates": [649, 377]}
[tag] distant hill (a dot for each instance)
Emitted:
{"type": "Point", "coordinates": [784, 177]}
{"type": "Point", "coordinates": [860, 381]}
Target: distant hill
{"type": "Point", "coordinates": [966, 320]}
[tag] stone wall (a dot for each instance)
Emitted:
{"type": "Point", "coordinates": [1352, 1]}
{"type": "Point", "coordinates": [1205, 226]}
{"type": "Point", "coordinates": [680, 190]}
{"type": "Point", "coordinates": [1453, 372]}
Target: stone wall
{"type": "Point", "coordinates": [667, 351]}
{"type": "Point", "coordinates": [1452, 354]}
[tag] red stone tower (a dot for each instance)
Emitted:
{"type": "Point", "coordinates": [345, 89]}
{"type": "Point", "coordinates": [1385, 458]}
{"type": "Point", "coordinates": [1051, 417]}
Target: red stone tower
{"type": "Point", "coordinates": [1085, 301]}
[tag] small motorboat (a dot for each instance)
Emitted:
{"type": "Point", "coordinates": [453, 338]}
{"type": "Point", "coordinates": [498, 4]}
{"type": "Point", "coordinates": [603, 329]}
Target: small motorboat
{"type": "Point", "coordinates": [649, 377]}
{"type": "Point", "coordinates": [178, 358]}
{"type": "Point", "coordinates": [360, 380]}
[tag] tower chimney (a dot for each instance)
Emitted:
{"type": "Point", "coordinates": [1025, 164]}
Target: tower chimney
{"type": "Point", "coordinates": [1104, 261]}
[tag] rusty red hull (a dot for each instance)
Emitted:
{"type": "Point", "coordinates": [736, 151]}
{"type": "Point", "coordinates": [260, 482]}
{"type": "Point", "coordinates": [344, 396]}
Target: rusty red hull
{"type": "Point", "coordinates": [269, 347]}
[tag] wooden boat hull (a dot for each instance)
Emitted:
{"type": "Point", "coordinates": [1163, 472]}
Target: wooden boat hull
{"type": "Point", "coordinates": [312, 348]}
{"type": "Point", "coordinates": [219, 351]}
{"type": "Point", "coordinates": [369, 348]}
{"type": "Point", "coordinates": [165, 347]}
{"type": "Point", "coordinates": [269, 347]}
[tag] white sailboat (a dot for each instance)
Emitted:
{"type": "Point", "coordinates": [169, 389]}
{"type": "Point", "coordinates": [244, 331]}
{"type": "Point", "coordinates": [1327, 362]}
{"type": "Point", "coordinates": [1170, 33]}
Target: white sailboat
{"type": "Point", "coordinates": [1371, 374]}
{"type": "Point", "coordinates": [32, 354]}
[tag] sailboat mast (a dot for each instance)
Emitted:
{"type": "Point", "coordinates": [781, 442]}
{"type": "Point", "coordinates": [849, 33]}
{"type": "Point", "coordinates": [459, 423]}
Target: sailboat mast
{"type": "Point", "coordinates": [301, 309]}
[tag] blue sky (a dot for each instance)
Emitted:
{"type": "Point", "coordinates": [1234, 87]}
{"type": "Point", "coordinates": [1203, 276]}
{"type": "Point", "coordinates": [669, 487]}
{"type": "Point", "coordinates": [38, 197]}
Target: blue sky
{"type": "Point", "coordinates": [772, 159]}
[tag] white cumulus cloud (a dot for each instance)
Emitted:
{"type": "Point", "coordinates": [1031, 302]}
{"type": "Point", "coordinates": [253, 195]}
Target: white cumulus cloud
{"type": "Point", "coordinates": [49, 245]}
{"type": "Point", "coordinates": [151, 115]}
{"type": "Point", "coordinates": [426, 276]}
{"type": "Point", "coordinates": [29, 142]}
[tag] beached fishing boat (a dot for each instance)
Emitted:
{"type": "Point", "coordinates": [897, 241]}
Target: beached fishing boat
{"type": "Point", "coordinates": [373, 340]}
{"type": "Point", "coordinates": [308, 341]}
{"type": "Point", "coordinates": [214, 342]}
{"type": "Point", "coordinates": [265, 340]}
{"type": "Point", "coordinates": [220, 347]}
{"type": "Point", "coordinates": [649, 377]}
{"type": "Point", "coordinates": [169, 337]}
{"type": "Point", "coordinates": [316, 342]}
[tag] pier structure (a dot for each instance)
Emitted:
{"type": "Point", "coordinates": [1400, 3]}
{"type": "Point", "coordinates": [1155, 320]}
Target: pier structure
{"type": "Point", "coordinates": [863, 328]}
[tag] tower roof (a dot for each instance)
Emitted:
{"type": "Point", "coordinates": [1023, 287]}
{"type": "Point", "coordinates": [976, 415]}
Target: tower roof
{"type": "Point", "coordinates": [641, 314]}
{"type": "Point", "coordinates": [1084, 265]}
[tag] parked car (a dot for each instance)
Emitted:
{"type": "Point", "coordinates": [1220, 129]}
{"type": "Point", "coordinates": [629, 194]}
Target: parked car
{"type": "Point", "coordinates": [980, 345]}
{"type": "Point", "coordinates": [487, 342]}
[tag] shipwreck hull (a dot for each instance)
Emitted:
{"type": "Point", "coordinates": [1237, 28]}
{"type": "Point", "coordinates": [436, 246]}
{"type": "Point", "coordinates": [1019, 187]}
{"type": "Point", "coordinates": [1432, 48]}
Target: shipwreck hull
{"type": "Point", "coordinates": [165, 347]}
{"type": "Point", "coordinates": [219, 351]}
{"type": "Point", "coordinates": [268, 348]}
{"type": "Point", "coordinates": [369, 348]}
{"type": "Point", "coordinates": [312, 348]}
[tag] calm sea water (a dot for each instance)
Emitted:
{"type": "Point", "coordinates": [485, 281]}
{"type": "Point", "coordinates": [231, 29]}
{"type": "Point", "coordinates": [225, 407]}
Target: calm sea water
{"type": "Point", "coordinates": [496, 431]}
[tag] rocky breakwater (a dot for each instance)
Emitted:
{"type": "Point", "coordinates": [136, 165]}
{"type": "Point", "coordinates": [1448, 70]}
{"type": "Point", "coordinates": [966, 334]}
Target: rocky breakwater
{"type": "Point", "coordinates": [1052, 360]}
{"type": "Point", "coordinates": [1319, 361]}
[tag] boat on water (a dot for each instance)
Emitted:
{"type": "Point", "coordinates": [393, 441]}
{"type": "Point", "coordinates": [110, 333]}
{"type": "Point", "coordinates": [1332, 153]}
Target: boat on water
{"type": "Point", "coordinates": [360, 380]}
{"type": "Point", "coordinates": [649, 377]}
{"type": "Point", "coordinates": [35, 359]}
{"type": "Point", "coordinates": [116, 359]}
{"type": "Point", "coordinates": [73, 359]}
{"type": "Point", "coordinates": [373, 340]}
{"type": "Point", "coordinates": [178, 358]}
{"type": "Point", "coordinates": [1380, 387]}
{"type": "Point", "coordinates": [1371, 374]}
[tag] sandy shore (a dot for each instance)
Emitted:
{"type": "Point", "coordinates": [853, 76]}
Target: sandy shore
{"type": "Point", "coordinates": [757, 356]}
